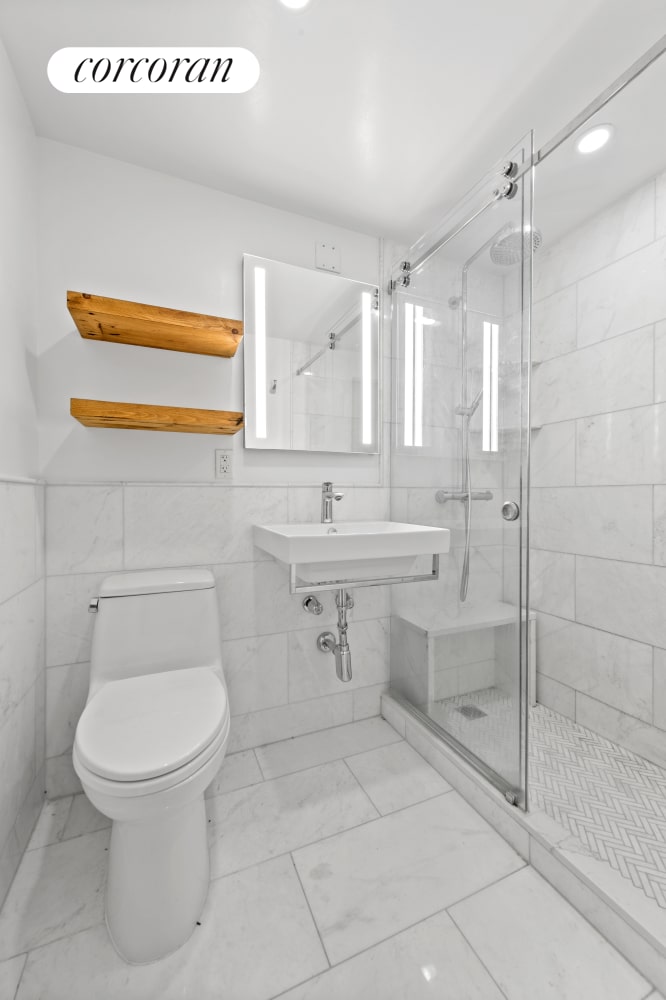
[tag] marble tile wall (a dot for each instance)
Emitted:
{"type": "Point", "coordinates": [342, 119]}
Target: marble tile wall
{"type": "Point", "coordinates": [598, 562]}
{"type": "Point", "coordinates": [280, 685]}
{"type": "Point", "coordinates": [21, 670]}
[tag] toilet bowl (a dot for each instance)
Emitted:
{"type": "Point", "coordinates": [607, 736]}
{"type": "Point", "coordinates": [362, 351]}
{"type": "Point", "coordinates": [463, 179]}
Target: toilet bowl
{"type": "Point", "coordinates": [150, 740]}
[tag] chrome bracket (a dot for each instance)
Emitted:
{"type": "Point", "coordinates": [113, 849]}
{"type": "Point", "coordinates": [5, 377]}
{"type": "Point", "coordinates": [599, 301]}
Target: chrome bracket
{"type": "Point", "coordinates": [312, 605]}
{"type": "Point", "coordinates": [405, 276]}
{"type": "Point", "coordinates": [326, 642]}
{"type": "Point", "coordinates": [297, 586]}
{"type": "Point", "coordinates": [506, 190]}
{"type": "Point", "coordinates": [93, 606]}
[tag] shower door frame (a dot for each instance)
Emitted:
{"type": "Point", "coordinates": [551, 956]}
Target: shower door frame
{"type": "Point", "coordinates": [400, 276]}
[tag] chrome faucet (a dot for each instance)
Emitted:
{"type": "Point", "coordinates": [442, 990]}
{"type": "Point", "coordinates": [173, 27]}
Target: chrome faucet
{"type": "Point", "coordinates": [328, 495]}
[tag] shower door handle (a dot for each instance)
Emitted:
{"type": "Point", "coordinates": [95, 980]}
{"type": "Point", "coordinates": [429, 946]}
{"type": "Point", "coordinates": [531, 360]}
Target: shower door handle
{"type": "Point", "coordinates": [510, 510]}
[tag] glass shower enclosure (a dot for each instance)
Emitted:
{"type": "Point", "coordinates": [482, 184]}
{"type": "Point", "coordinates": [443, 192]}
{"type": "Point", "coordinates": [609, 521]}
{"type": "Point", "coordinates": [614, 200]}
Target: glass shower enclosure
{"type": "Point", "coordinates": [460, 647]}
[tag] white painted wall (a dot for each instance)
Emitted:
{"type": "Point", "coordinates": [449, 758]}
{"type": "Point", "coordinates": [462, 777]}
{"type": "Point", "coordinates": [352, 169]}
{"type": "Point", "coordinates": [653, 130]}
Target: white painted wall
{"type": "Point", "coordinates": [18, 429]}
{"type": "Point", "coordinates": [151, 499]}
{"type": "Point", "coordinates": [21, 503]}
{"type": "Point", "coordinates": [114, 229]}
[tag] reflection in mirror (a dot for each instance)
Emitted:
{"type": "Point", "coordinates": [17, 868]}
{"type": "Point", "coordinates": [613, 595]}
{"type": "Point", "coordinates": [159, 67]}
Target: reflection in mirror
{"type": "Point", "coordinates": [311, 359]}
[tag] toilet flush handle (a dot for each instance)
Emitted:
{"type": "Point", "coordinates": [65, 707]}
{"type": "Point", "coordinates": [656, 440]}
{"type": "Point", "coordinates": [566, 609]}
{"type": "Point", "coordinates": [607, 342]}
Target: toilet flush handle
{"type": "Point", "coordinates": [93, 606]}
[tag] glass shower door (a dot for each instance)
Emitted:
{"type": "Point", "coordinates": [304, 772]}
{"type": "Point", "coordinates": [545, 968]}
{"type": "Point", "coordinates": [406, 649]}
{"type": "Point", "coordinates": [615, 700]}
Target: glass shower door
{"type": "Point", "coordinates": [459, 647]}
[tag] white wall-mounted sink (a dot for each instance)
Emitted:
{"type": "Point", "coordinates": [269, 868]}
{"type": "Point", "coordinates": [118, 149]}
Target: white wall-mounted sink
{"type": "Point", "coordinates": [352, 550]}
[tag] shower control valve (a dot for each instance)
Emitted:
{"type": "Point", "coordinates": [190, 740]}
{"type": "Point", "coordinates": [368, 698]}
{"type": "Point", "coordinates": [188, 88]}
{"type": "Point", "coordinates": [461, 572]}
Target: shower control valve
{"type": "Point", "coordinates": [510, 510]}
{"type": "Point", "coordinates": [311, 604]}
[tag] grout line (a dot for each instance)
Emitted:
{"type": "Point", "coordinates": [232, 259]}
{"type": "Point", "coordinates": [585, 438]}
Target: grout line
{"type": "Point", "coordinates": [472, 947]}
{"type": "Point", "coordinates": [595, 628]}
{"type": "Point", "coordinates": [332, 760]}
{"type": "Point", "coordinates": [18, 593]}
{"type": "Point", "coordinates": [590, 416]}
{"type": "Point", "coordinates": [586, 555]}
{"type": "Point", "coordinates": [398, 933]}
{"type": "Point", "coordinates": [307, 902]}
{"type": "Point", "coordinates": [366, 794]}
{"type": "Point", "coordinates": [603, 267]}
{"type": "Point", "coordinates": [417, 923]}
{"type": "Point", "coordinates": [595, 343]}
{"type": "Point", "coordinates": [18, 982]}
{"type": "Point", "coordinates": [253, 750]}
{"type": "Point", "coordinates": [45, 805]}
{"type": "Point", "coordinates": [312, 843]}
{"type": "Point", "coordinates": [309, 767]}
{"type": "Point", "coordinates": [62, 937]}
{"type": "Point", "coordinates": [67, 840]}
{"type": "Point", "coordinates": [261, 770]}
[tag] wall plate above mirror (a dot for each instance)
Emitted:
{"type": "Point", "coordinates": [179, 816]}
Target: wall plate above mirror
{"type": "Point", "coordinates": [311, 359]}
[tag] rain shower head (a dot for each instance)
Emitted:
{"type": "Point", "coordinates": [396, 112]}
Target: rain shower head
{"type": "Point", "coordinates": [509, 250]}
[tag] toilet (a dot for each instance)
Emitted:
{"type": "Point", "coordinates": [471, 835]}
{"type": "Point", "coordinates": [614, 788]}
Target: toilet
{"type": "Point", "coordinates": [151, 738]}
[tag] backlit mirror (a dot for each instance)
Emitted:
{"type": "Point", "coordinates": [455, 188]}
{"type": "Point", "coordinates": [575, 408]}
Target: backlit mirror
{"type": "Point", "coordinates": [311, 359]}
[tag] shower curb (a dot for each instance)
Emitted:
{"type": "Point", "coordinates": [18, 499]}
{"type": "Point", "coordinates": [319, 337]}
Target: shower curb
{"type": "Point", "coordinates": [540, 841]}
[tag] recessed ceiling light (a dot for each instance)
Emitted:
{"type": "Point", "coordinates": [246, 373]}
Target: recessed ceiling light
{"type": "Point", "coordinates": [295, 4]}
{"type": "Point", "coordinates": [594, 138]}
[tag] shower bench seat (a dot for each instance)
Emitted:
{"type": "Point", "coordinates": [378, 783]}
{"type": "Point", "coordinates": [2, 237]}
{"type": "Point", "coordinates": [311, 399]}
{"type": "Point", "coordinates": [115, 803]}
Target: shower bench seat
{"type": "Point", "coordinates": [441, 654]}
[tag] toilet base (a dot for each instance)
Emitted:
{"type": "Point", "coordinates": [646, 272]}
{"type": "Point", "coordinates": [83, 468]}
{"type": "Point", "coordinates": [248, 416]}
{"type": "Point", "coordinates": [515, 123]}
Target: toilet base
{"type": "Point", "coordinates": [158, 881]}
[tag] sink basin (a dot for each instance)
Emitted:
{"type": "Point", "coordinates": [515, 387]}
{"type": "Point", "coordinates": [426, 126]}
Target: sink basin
{"type": "Point", "coordinates": [352, 550]}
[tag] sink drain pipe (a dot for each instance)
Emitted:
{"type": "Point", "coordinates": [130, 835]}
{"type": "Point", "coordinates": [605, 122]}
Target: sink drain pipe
{"type": "Point", "coordinates": [340, 649]}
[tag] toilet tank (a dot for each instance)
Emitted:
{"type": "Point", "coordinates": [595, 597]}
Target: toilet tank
{"type": "Point", "coordinates": [153, 621]}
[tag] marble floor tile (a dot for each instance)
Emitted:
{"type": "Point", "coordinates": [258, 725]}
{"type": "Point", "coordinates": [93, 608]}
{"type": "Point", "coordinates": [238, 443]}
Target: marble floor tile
{"type": "Point", "coordinates": [396, 776]}
{"type": "Point", "coordinates": [369, 883]}
{"type": "Point", "coordinates": [10, 973]}
{"type": "Point", "coordinates": [535, 944]}
{"type": "Point", "coordinates": [50, 827]}
{"type": "Point", "coordinates": [58, 890]}
{"type": "Point", "coordinates": [431, 960]}
{"type": "Point", "coordinates": [238, 771]}
{"type": "Point", "coordinates": [323, 746]}
{"type": "Point", "coordinates": [84, 818]}
{"type": "Point", "coordinates": [256, 940]}
{"type": "Point", "coordinates": [252, 824]}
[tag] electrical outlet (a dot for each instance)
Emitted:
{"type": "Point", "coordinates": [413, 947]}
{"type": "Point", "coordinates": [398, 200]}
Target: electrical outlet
{"type": "Point", "coordinates": [223, 464]}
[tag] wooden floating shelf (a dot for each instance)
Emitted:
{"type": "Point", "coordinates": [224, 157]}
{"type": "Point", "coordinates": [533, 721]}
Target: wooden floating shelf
{"type": "Point", "coordinates": [142, 417]}
{"type": "Point", "coordinates": [120, 322]}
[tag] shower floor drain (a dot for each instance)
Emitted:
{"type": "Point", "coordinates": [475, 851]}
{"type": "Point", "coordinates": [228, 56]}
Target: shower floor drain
{"type": "Point", "coordinates": [471, 712]}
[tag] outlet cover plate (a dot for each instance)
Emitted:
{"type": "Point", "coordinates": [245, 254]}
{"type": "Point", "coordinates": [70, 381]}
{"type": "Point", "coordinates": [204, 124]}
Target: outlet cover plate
{"type": "Point", "coordinates": [224, 466]}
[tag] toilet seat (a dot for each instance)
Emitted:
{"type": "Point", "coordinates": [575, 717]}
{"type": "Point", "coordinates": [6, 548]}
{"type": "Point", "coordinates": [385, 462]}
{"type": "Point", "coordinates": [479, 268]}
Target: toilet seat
{"type": "Point", "coordinates": [141, 729]}
{"type": "Point", "coordinates": [151, 786]}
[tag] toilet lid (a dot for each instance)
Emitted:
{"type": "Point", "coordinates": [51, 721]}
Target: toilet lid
{"type": "Point", "coordinates": [142, 727]}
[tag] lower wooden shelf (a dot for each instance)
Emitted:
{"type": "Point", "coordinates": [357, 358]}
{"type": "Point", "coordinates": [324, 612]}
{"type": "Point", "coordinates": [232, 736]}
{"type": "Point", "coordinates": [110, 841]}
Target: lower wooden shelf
{"type": "Point", "coordinates": [143, 417]}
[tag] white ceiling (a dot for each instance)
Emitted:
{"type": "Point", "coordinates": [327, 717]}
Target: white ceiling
{"type": "Point", "coordinates": [373, 114]}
